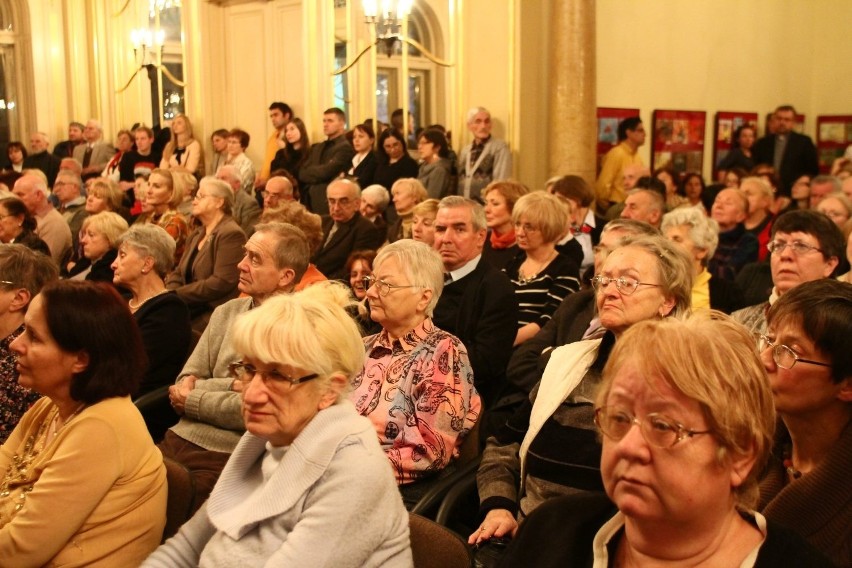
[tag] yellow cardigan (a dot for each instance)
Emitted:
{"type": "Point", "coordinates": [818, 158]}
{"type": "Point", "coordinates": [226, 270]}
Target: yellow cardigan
{"type": "Point", "coordinates": [98, 490]}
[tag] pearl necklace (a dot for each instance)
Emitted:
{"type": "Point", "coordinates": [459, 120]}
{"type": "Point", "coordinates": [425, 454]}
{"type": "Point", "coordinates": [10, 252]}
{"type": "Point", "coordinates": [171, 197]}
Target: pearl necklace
{"type": "Point", "coordinates": [140, 304]}
{"type": "Point", "coordinates": [525, 279]}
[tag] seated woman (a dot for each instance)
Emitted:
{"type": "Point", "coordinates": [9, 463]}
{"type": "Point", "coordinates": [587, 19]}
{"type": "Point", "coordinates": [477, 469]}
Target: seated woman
{"type": "Point", "coordinates": [17, 225]}
{"type": "Point", "coordinates": [24, 273]}
{"type": "Point", "coordinates": [207, 275]}
{"type": "Point", "coordinates": [106, 195]}
{"type": "Point", "coordinates": [162, 198]}
{"type": "Point", "coordinates": [183, 152]}
{"type": "Point", "coordinates": [435, 168]}
{"type": "Point", "coordinates": [693, 188]}
{"type": "Point", "coordinates": [760, 196]}
{"type": "Point", "coordinates": [698, 234]}
{"type": "Point", "coordinates": [145, 256]}
{"type": "Point", "coordinates": [359, 265]}
{"type": "Point", "coordinates": [82, 482]}
{"type": "Point", "coordinates": [417, 383]}
{"type": "Point", "coordinates": [685, 434]}
{"type": "Point", "coordinates": [99, 240]}
{"type": "Point", "coordinates": [807, 357]}
{"type": "Point", "coordinates": [423, 221]}
{"type": "Point", "coordinates": [500, 197]}
{"type": "Point", "coordinates": [309, 469]}
{"type": "Point", "coordinates": [837, 207]}
{"type": "Point", "coordinates": [549, 447]}
{"type": "Point", "coordinates": [407, 193]}
{"type": "Point", "coordinates": [541, 275]}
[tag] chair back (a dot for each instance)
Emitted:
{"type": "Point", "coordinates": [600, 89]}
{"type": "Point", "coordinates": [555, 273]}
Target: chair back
{"type": "Point", "coordinates": [434, 546]}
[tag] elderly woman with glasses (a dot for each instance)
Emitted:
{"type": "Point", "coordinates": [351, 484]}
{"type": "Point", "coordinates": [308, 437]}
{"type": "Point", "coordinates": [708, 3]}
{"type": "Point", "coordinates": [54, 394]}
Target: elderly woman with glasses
{"type": "Point", "coordinates": [417, 383]}
{"type": "Point", "coordinates": [207, 275]}
{"type": "Point", "coordinates": [550, 447]}
{"type": "Point", "coordinates": [685, 434]}
{"type": "Point", "coordinates": [307, 485]}
{"type": "Point", "coordinates": [807, 357]}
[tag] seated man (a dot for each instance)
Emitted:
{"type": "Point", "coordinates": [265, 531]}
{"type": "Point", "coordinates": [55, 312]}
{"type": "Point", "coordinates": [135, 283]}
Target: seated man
{"type": "Point", "coordinates": [212, 422]}
{"type": "Point", "coordinates": [805, 246]}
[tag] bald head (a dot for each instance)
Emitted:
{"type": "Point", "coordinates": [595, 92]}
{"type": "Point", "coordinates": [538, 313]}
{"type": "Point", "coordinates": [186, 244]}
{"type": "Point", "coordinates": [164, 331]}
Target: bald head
{"type": "Point", "coordinates": [93, 131]}
{"type": "Point", "coordinates": [632, 173]}
{"type": "Point", "coordinates": [278, 190]}
{"type": "Point", "coordinates": [33, 192]}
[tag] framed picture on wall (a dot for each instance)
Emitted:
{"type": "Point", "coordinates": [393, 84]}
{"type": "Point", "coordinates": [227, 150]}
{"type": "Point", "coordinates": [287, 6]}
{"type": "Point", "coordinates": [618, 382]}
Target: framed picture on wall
{"type": "Point", "coordinates": [834, 134]}
{"type": "Point", "coordinates": [678, 140]}
{"type": "Point", "coordinates": [724, 129]}
{"type": "Point", "coordinates": [608, 121]}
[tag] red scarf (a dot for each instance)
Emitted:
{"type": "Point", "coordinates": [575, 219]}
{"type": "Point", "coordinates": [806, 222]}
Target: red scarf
{"type": "Point", "coordinates": [499, 242]}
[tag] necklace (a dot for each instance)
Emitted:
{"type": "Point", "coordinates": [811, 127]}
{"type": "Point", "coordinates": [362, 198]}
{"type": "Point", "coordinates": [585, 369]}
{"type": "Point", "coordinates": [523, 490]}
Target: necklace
{"type": "Point", "coordinates": [525, 278]}
{"type": "Point", "coordinates": [792, 472]}
{"type": "Point", "coordinates": [140, 304]}
{"type": "Point", "coordinates": [55, 421]}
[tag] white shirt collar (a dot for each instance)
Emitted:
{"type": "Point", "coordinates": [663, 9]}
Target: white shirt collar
{"type": "Point", "coordinates": [471, 265]}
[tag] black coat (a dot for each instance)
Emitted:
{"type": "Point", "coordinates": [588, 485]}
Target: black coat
{"type": "Point", "coordinates": [800, 158]}
{"type": "Point", "coordinates": [355, 234]}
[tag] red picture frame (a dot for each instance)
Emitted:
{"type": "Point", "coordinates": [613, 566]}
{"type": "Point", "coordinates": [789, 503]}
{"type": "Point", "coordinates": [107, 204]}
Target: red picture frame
{"type": "Point", "coordinates": [834, 134]}
{"type": "Point", "coordinates": [678, 140]}
{"type": "Point", "coordinates": [726, 123]}
{"type": "Point", "coordinates": [608, 120]}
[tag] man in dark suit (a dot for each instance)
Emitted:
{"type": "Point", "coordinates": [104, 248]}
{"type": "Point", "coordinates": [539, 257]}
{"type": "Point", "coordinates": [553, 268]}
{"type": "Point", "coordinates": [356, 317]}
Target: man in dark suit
{"type": "Point", "coordinates": [65, 149]}
{"type": "Point", "coordinates": [478, 304]}
{"type": "Point", "coordinates": [790, 153]}
{"type": "Point", "coordinates": [344, 230]}
{"type": "Point", "coordinates": [40, 159]}
{"type": "Point", "coordinates": [326, 161]}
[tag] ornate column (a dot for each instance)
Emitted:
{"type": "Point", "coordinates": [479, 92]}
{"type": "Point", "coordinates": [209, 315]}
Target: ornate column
{"type": "Point", "coordinates": [572, 128]}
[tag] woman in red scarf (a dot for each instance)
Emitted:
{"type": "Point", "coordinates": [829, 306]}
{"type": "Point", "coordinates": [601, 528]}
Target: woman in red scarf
{"type": "Point", "coordinates": [500, 198]}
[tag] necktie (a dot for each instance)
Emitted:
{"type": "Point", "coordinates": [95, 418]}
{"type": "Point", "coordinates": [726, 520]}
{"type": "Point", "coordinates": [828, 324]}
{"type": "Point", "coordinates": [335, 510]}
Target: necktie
{"type": "Point", "coordinates": [448, 278]}
{"type": "Point", "coordinates": [87, 156]}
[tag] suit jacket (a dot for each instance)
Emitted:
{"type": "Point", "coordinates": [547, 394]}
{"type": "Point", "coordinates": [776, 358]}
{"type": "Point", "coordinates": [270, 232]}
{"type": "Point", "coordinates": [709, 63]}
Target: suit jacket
{"type": "Point", "coordinates": [494, 163]}
{"type": "Point", "coordinates": [214, 274]}
{"type": "Point", "coordinates": [800, 158]}
{"type": "Point", "coordinates": [568, 324]}
{"type": "Point", "coordinates": [481, 309]}
{"type": "Point", "coordinates": [46, 162]}
{"type": "Point", "coordinates": [246, 212]}
{"type": "Point", "coordinates": [326, 161]}
{"type": "Point", "coordinates": [355, 234]}
{"type": "Point", "coordinates": [102, 153]}
{"type": "Point", "coordinates": [366, 170]}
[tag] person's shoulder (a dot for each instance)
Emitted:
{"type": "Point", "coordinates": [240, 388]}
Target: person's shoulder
{"type": "Point", "coordinates": [784, 547]}
{"type": "Point", "coordinates": [231, 308]}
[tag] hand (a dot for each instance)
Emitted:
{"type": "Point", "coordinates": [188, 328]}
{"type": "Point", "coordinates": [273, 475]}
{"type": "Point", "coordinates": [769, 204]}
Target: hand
{"type": "Point", "coordinates": [499, 523]}
{"type": "Point", "coordinates": [178, 393]}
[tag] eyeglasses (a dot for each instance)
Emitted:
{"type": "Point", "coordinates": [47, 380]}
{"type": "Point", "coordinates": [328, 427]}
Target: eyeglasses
{"type": "Point", "coordinates": [623, 284]}
{"type": "Point", "coordinates": [526, 227]}
{"type": "Point", "coordinates": [658, 430]}
{"type": "Point", "coordinates": [384, 287]}
{"type": "Point", "coordinates": [271, 196]}
{"type": "Point", "coordinates": [798, 247]}
{"type": "Point", "coordinates": [244, 372]}
{"type": "Point", "coordinates": [783, 356]}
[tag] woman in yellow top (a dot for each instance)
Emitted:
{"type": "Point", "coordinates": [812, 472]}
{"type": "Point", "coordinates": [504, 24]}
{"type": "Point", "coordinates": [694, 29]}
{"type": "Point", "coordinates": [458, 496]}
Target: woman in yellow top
{"type": "Point", "coordinates": [81, 482]}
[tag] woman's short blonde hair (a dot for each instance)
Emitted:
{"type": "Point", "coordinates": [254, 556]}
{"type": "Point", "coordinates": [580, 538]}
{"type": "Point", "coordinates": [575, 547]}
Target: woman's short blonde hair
{"type": "Point", "coordinates": [110, 225]}
{"type": "Point", "coordinates": [674, 269]}
{"type": "Point", "coordinates": [428, 208]}
{"type": "Point", "coordinates": [711, 359]}
{"type": "Point", "coordinates": [309, 330]}
{"type": "Point", "coordinates": [545, 212]}
{"type": "Point", "coordinates": [109, 191]}
{"type": "Point", "coordinates": [511, 191]}
{"type": "Point", "coordinates": [421, 264]}
{"type": "Point", "coordinates": [413, 187]}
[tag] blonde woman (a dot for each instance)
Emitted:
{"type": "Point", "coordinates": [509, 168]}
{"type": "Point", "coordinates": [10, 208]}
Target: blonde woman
{"type": "Point", "coordinates": [406, 192]}
{"type": "Point", "coordinates": [183, 151]}
{"type": "Point", "coordinates": [99, 241]}
{"type": "Point", "coordinates": [162, 198]}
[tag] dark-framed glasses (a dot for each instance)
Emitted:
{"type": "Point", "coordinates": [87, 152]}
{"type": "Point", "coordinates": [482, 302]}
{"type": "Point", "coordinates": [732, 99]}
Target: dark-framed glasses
{"type": "Point", "coordinates": [798, 247]}
{"type": "Point", "coordinates": [658, 429]}
{"type": "Point", "coordinates": [245, 372]}
{"type": "Point", "coordinates": [624, 284]}
{"type": "Point", "coordinates": [384, 287]}
{"type": "Point", "coordinates": [783, 356]}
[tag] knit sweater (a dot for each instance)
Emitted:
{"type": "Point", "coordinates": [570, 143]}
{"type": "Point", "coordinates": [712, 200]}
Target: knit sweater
{"type": "Point", "coordinates": [213, 412]}
{"type": "Point", "coordinates": [331, 501]}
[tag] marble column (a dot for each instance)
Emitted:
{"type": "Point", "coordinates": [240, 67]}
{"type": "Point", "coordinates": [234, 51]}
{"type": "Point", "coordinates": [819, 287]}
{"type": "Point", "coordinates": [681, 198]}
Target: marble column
{"type": "Point", "coordinates": [572, 119]}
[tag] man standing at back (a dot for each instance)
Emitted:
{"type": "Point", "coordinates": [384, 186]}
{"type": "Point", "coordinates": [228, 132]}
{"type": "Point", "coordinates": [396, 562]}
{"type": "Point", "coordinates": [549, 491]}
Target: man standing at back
{"type": "Point", "coordinates": [790, 153]}
{"type": "Point", "coordinates": [484, 160]}
{"type": "Point", "coordinates": [344, 230]}
{"type": "Point", "coordinates": [609, 189]}
{"type": "Point", "coordinates": [279, 114]}
{"type": "Point", "coordinates": [326, 161]}
{"type": "Point", "coordinates": [478, 304]}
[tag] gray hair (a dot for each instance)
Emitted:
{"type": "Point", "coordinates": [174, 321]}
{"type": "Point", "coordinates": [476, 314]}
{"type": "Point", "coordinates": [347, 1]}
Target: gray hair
{"type": "Point", "coordinates": [674, 269]}
{"type": "Point", "coordinates": [151, 240]}
{"type": "Point", "coordinates": [837, 185]}
{"type": "Point", "coordinates": [229, 175]}
{"type": "Point", "coordinates": [703, 230]}
{"type": "Point", "coordinates": [420, 263]}
{"type": "Point", "coordinates": [379, 194]}
{"type": "Point", "coordinates": [110, 225]}
{"type": "Point", "coordinates": [477, 212]}
{"type": "Point", "coordinates": [291, 250]}
{"type": "Point", "coordinates": [471, 114]}
{"type": "Point", "coordinates": [351, 183]}
{"type": "Point", "coordinates": [220, 189]}
{"type": "Point", "coordinates": [26, 268]}
{"type": "Point", "coordinates": [761, 184]}
{"type": "Point", "coordinates": [631, 227]}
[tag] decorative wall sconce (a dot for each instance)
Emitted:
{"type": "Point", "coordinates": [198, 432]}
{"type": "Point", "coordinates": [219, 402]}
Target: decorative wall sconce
{"type": "Point", "coordinates": [148, 54]}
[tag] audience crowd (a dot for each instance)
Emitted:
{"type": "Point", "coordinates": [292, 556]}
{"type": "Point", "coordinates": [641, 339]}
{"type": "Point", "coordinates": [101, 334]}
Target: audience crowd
{"type": "Point", "coordinates": [327, 338]}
